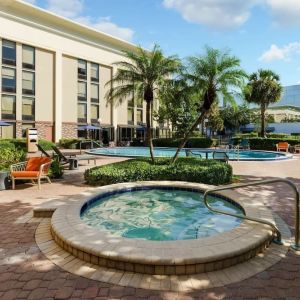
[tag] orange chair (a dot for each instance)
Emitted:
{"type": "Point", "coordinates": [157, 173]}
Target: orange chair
{"type": "Point", "coordinates": [297, 148]}
{"type": "Point", "coordinates": [35, 168]}
{"type": "Point", "coordinates": [283, 146]}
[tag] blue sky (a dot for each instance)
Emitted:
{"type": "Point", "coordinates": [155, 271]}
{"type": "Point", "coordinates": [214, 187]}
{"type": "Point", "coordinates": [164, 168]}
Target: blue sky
{"type": "Point", "coordinates": [262, 33]}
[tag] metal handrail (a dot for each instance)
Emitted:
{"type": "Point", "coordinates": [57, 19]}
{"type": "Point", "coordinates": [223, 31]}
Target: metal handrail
{"type": "Point", "coordinates": [295, 246]}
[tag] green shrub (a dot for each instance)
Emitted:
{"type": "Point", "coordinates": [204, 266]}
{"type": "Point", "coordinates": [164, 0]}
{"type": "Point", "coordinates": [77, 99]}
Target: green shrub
{"type": "Point", "coordinates": [270, 143]}
{"type": "Point", "coordinates": [21, 144]}
{"type": "Point", "coordinates": [279, 135]}
{"type": "Point", "coordinates": [9, 156]}
{"type": "Point", "coordinates": [68, 143]}
{"type": "Point", "coordinates": [246, 135]}
{"type": "Point", "coordinates": [193, 142]}
{"type": "Point", "coordinates": [56, 169]}
{"type": "Point", "coordinates": [185, 169]}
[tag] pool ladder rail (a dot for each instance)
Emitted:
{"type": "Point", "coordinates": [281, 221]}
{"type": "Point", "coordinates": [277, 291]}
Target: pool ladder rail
{"type": "Point", "coordinates": [277, 240]}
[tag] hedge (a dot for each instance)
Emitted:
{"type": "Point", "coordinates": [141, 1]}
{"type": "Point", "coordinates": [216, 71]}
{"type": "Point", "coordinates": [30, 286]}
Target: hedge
{"type": "Point", "coordinates": [10, 155]}
{"type": "Point", "coordinates": [193, 142]}
{"type": "Point", "coordinates": [68, 143]}
{"type": "Point", "coordinates": [185, 169]}
{"type": "Point", "coordinates": [269, 143]}
{"type": "Point", "coordinates": [21, 144]}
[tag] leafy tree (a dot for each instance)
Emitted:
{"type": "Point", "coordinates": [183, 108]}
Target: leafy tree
{"type": "Point", "coordinates": [177, 105]}
{"type": "Point", "coordinates": [263, 89]}
{"type": "Point", "coordinates": [234, 117]}
{"type": "Point", "coordinates": [215, 121]}
{"type": "Point", "coordinates": [213, 74]}
{"type": "Point", "coordinates": [142, 73]}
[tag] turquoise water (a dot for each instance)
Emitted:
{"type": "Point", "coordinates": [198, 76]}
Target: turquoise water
{"type": "Point", "coordinates": [160, 214]}
{"type": "Point", "coordinates": [169, 152]}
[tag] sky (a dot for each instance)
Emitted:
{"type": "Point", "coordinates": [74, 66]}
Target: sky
{"type": "Point", "coordinates": [261, 33]}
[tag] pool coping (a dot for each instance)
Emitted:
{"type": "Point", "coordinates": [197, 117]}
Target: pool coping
{"type": "Point", "coordinates": [284, 155]}
{"type": "Point", "coordinates": [164, 257]}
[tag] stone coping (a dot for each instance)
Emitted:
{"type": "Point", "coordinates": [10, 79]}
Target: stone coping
{"type": "Point", "coordinates": [175, 283]}
{"type": "Point", "coordinates": [161, 257]}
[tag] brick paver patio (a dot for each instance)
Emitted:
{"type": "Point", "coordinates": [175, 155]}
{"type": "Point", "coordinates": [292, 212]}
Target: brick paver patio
{"type": "Point", "coordinates": [25, 273]}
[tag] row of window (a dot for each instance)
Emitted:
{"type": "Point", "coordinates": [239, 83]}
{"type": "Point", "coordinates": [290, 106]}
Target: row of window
{"type": "Point", "coordinates": [9, 81]}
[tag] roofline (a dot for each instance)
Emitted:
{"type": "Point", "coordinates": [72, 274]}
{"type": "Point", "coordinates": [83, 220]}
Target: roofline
{"type": "Point", "coordinates": [66, 23]}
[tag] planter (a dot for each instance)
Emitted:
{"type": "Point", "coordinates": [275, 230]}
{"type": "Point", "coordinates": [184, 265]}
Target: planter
{"type": "Point", "coordinates": [4, 180]}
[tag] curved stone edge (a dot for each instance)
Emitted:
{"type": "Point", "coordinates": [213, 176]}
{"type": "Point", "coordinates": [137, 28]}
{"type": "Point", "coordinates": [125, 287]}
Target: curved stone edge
{"type": "Point", "coordinates": [163, 258]}
{"type": "Point", "coordinates": [176, 283]}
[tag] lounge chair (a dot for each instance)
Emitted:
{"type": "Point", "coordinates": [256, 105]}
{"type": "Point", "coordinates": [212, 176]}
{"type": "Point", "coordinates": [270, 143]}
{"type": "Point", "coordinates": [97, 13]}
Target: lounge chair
{"type": "Point", "coordinates": [190, 153]}
{"type": "Point", "coordinates": [244, 144]}
{"type": "Point", "coordinates": [221, 156]}
{"type": "Point", "coordinates": [73, 158]}
{"type": "Point", "coordinates": [43, 150]}
{"type": "Point", "coordinates": [35, 168]}
{"type": "Point", "coordinates": [283, 146]}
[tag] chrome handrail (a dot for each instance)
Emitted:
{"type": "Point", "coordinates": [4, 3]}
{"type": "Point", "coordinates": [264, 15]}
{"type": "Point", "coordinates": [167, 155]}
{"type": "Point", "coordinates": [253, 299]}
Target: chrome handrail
{"type": "Point", "coordinates": [295, 246]}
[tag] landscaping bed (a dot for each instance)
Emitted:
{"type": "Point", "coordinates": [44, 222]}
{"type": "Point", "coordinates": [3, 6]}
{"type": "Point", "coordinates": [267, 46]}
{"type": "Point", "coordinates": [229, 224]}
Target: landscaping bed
{"type": "Point", "coordinates": [185, 169]}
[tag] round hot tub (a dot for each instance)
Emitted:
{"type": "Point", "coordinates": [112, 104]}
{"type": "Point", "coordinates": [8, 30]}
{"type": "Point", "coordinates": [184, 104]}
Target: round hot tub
{"type": "Point", "coordinates": [159, 214]}
{"type": "Point", "coordinates": [160, 228]}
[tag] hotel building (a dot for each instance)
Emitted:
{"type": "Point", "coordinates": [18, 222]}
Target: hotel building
{"type": "Point", "coordinates": [53, 77]}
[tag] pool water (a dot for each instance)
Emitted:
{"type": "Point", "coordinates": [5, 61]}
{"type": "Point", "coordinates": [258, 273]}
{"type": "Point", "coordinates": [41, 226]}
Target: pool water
{"type": "Point", "coordinates": [169, 152]}
{"type": "Point", "coordinates": [160, 214]}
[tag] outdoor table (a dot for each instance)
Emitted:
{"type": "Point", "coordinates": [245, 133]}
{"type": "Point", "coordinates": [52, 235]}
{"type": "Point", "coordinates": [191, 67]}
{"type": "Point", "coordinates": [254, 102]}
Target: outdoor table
{"type": "Point", "coordinates": [73, 164]}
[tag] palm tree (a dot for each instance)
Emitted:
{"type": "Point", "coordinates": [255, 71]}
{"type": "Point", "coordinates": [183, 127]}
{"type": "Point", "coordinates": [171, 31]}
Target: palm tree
{"type": "Point", "coordinates": [263, 89]}
{"type": "Point", "coordinates": [142, 74]}
{"type": "Point", "coordinates": [214, 74]}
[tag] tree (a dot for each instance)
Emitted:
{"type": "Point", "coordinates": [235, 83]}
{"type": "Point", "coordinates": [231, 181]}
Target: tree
{"type": "Point", "coordinates": [177, 105]}
{"type": "Point", "coordinates": [263, 89]}
{"type": "Point", "coordinates": [212, 74]}
{"type": "Point", "coordinates": [215, 121]}
{"type": "Point", "coordinates": [142, 74]}
{"type": "Point", "coordinates": [234, 117]}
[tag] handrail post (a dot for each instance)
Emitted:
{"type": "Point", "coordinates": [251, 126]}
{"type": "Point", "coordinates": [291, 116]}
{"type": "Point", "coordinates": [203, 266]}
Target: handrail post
{"type": "Point", "coordinates": [295, 246]}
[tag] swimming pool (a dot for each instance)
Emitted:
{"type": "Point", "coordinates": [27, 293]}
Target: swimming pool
{"type": "Point", "coordinates": [244, 155]}
{"type": "Point", "coordinates": [159, 214]}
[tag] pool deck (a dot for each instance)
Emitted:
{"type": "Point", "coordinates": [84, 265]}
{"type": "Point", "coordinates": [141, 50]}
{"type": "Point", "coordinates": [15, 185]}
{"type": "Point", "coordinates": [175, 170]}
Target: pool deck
{"type": "Point", "coordinates": [26, 273]}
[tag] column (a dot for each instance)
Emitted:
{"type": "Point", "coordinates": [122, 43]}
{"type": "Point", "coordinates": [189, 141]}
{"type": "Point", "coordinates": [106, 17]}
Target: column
{"type": "Point", "coordinates": [58, 97]}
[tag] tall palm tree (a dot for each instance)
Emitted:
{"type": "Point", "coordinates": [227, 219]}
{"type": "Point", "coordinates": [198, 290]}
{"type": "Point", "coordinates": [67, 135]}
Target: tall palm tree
{"type": "Point", "coordinates": [263, 89]}
{"type": "Point", "coordinates": [142, 73]}
{"type": "Point", "coordinates": [214, 74]}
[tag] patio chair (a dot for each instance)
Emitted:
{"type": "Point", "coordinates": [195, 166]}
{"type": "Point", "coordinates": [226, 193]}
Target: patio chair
{"type": "Point", "coordinates": [41, 149]}
{"type": "Point", "coordinates": [221, 156]}
{"type": "Point", "coordinates": [35, 168]}
{"type": "Point", "coordinates": [73, 158]}
{"type": "Point", "coordinates": [297, 148]}
{"type": "Point", "coordinates": [244, 144]}
{"type": "Point", "coordinates": [283, 146]}
{"type": "Point", "coordinates": [190, 153]}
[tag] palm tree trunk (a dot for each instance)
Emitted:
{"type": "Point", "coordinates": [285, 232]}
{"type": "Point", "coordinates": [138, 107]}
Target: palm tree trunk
{"type": "Point", "coordinates": [199, 120]}
{"type": "Point", "coordinates": [263, 119]}
{"type": "Point", "coordinates": [149, 131]}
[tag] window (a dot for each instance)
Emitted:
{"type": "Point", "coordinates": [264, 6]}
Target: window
{"type": "Point", "coordinates": [28, 83]}
{"type": "Point", "coordinates": [139, 117]}
{"type": "Point", "coordinates": [28, 111]}
{"type": "Point", "coordinates": [130, 116]}
{"type": "Point", "coordinates": [28, 56]}
{"type": "Point", "coordinates": [95, 72]}
{"type": "Point", "coordinates": [94, 112]}
{"type": "Point", "coordinates": [82, 69]}
{"type": "Point", "coordinates": [82, 90]}
{"type": "Point", "coordinates": [95, 93]}
{"type": "Point", "coordinates": [81, 112]}
{"type": "Point", "coordinates": [8, 132]}
{"type": "Point", "coordinates": [139, 102]}
{"type": "Point", "coordinates": [8, 53]}
{"type": "Point", "coordinates": [8, 80]}
{"type": "Point", "coordinates": [8, 107]}
{"type": "Point", "coordinates": [130, 103]}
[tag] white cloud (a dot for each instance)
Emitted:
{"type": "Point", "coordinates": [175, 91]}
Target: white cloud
{"type": "Point", "coordinates": [74, 9]}
{"type": "Point", "coordinates": [213, 13]}
{"type": "Point", "coordinates": [285, 12]}
{"type": "Point", "coordinates": [65, 8]}
{"type": "Point", "coordinates": [107, 26]}
{"type": "Point", "coordinates": [30, 1]}
{"type": "Point", "coordinates": [280, 53]}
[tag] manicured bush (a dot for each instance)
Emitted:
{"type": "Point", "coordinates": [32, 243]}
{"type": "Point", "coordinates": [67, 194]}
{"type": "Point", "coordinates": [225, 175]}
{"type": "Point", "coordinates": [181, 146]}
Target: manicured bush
{"type": "Point", "coordinates": [68, 143]}
{"type": "Point", "coordinates": [270, 143]}
{"type": "Point", "coordinates": [246, 135]}
{"type": "Point", "coordinates": [185, 169]}
{"type": "Point", "coordinates": [9, 156]}
{"type": "Point", "coordinates": [193, 142]}
{"type": "Point", "coordinates": [21, 144]}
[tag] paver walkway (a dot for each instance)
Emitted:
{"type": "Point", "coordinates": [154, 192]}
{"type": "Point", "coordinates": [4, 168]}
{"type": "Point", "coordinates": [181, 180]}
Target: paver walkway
{"type": "Point", "coordinates": [25, 273]}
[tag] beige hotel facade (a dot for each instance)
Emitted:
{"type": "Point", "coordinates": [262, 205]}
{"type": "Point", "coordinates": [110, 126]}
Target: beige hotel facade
{"type": "Point", "coordinates": [53, 77]}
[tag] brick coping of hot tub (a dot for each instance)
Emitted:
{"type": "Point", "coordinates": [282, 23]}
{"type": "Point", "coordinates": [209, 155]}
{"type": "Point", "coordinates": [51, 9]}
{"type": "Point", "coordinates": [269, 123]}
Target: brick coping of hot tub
{"type": "Point", "coordinates": [181, 257]}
